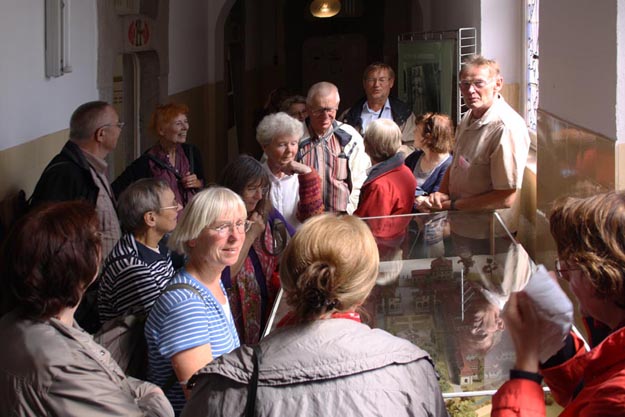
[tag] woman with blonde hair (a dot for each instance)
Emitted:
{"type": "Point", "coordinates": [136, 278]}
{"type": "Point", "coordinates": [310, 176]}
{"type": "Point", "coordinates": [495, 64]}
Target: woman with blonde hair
{"type": "Point", "coordinates": [190, 324]}
{"type": "Point", "coordinates": [322, 360]}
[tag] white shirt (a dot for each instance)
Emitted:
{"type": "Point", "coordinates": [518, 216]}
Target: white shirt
{"type": "Point", "coordinates": [367, 115]}
{"type": "Point", "coordinates": [284, 196]}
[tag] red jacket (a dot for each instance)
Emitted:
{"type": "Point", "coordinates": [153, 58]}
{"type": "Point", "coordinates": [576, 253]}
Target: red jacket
{"type": "Point", "coordinates": [602, 371]}
{"type": "Point", "coordinates": [389, 189]}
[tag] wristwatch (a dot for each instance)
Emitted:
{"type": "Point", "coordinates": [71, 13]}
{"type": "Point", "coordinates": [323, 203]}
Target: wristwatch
{"type": "Point", "coordinates": [452, 204]}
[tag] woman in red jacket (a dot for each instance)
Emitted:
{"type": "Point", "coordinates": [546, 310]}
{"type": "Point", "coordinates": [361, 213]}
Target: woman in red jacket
{"type": "Point", "coordinates": [591, 258]}
{"type": "Point", "coordinates": [390, 186]}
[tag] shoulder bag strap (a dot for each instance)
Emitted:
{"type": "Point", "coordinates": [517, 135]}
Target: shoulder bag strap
{"type": "Point", "coordinates": [251, 392]}
{"type": "Point", "coordinates": [164, 165]}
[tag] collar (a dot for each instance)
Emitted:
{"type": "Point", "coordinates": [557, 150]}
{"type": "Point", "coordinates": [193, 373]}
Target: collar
{"type": "Point", "coordinates": [290, 319]}
{"type": "Point", "coordinates": [365, 107]}
{"type": "Point", "coordinates": [490, 114]}
{"type": "Point", "coordinates": [98, 164]}
{"type": "Point", "coordinates": [383, 167]}
{"type": "Point", "coordinates": [603, 356]}
{"type": "Point", "coordinates": [341, 135]}
{"type": "Point", "coordinates": [148, 255]}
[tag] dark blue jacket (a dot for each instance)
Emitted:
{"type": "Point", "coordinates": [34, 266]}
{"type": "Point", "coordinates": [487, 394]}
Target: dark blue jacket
{"type": "Point", "coordinates": [433, 183]}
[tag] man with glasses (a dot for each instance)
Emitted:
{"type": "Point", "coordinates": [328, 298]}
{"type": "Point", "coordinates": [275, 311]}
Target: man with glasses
{"type": "Point", "coordinates": [80, 172]}
{"type": "Point", "coordinates": [377, 81]}
{"type": "Point", "coordinates": [335, 150]}
{"type": "Point", "coordinates": [492, 144]}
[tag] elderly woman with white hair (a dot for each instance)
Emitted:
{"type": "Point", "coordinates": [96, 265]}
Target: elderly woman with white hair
{"type": "Point", "coordinates": [390, 186]}
{"type": "Point", "coordinates": [295, 187]}
{"type": "Point", "coordinates": [191, 324]}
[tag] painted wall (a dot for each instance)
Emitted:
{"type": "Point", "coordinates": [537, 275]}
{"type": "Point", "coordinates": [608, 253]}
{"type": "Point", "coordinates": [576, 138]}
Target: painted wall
{"type": "Point", "coordinates": [578, 62]}
{"type": "Point", "coordinates": [189, 31]}
{"type": "Point", "coordinates": [502, 36]}
{"type": "Point", "coordinates": [30, 104]}
{"type": "Point", "coordinates": [620, 82]}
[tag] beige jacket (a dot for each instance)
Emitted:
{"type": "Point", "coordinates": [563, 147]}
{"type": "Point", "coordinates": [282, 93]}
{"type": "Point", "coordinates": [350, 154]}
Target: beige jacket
{"type": "Point", "coordinates": [49, 369]}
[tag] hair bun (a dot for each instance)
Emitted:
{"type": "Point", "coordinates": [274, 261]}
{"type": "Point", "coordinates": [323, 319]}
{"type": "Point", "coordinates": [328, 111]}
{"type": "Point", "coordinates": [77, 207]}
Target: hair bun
{"type": "Point", "coordinates": [315, 298]}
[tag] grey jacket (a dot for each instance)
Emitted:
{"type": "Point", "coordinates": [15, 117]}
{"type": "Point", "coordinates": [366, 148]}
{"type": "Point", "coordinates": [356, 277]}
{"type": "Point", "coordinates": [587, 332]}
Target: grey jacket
{"type": "Point", "coordinates": [335, 367]}
{"type": "Point", "coordinates": [49, 369]}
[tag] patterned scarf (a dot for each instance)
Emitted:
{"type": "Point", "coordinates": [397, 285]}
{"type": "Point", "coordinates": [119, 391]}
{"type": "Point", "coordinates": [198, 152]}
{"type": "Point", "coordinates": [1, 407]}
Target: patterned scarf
{"type": "Point", "coordinates": [245, 295]}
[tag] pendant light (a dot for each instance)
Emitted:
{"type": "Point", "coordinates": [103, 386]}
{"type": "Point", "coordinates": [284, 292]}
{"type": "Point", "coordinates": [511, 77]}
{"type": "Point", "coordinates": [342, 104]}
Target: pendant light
{"type": "Point", "coordinates": [325, 8]}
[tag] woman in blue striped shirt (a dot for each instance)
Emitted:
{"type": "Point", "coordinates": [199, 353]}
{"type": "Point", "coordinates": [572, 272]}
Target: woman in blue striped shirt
{"type": "Point", "coordinates": [191, 323]}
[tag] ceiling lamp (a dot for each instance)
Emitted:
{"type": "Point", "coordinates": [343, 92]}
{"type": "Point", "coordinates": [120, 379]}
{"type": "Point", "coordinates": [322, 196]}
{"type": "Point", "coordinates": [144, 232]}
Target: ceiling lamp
{"type": "Point", "coordinates": [325, 8]}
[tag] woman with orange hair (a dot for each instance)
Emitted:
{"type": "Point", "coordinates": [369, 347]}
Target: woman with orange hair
{"type": "Point", "coordinates": [173, 160]}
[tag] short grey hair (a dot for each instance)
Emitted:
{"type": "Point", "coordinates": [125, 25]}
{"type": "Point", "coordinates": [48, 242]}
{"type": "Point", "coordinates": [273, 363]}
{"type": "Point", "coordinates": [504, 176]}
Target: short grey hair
{"type": "Point", "coordinates": [322, 89]}
{"type": "Point", "coordinates": [383, 139]}
{"type": "Point", "coordinates": [204, 209]}
{"type": "Point", "coordinates": [278, 124]}
{"type": "Point", "coordinates": [140, 197]}
{"type": "Point", "coordinates": [86, 119]}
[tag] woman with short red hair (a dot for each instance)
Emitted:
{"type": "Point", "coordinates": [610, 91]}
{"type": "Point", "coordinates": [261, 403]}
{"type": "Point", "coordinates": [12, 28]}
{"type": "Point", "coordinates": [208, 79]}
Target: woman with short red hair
{"type": "Point", "coordinates": [171, 159]}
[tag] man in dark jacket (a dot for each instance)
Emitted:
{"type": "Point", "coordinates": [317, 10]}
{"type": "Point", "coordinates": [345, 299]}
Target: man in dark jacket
{"type": "Point", "coordinates": [377, 81]}
{"type": "Point", "coordinates": [80, 172]}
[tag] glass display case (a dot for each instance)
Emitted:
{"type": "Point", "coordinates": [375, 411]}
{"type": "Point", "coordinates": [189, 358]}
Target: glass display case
{"type": "Point", "coordinates": [444, 291]}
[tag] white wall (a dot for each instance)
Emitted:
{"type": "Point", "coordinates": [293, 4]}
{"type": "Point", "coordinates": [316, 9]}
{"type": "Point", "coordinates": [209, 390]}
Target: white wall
{"type": "Point", "coordinates": [189, 25]}
{"type": "Point", "coordinates": [620, 70]}
{"type": "Point", "coordinates": [578, 65]}
{"type": "Point", "coordinates": [502, 36]}
{"type": "Point", "coordinates": [30, 104]}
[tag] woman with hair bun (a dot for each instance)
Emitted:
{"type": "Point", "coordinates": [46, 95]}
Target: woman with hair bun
{"type": "Point", "coordinates": [322, 360]}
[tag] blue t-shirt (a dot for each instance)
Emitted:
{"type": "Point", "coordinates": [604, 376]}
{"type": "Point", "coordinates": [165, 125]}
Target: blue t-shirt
{"type": "Point", "coordinates": [180, 320]}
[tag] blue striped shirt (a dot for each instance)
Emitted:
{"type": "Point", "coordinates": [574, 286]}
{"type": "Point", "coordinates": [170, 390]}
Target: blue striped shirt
{"type": "Point", "coordinates": [180, 320]}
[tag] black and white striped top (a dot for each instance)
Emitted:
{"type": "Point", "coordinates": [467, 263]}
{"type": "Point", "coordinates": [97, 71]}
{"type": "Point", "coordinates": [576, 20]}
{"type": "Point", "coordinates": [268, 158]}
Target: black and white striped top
{"type": "Point", "coordinates": [133, 276]}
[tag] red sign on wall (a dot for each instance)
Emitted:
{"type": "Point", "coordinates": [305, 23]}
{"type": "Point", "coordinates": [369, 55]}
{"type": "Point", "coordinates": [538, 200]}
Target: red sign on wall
{"type": "Point", "coordinates": [138, 32]}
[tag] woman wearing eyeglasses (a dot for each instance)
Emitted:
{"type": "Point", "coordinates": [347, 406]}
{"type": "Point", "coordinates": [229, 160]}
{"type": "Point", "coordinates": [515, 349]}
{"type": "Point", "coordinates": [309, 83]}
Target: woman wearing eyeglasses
{"type": "Point", "coordinates": [252, 282]}
{"type": "Point", "coordinates": [591, 251]}
{"type": "Point", "coordinates": [171, 159]}
{"type": "Point", "coordinates": [433, 140]}
{"type": "Point", "coordinates": [191, 324]}
{"type": "Point", "coordinates": [139, 266]}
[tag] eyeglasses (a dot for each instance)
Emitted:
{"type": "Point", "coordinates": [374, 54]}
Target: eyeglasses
{"type": "Point", "coordinates": [562, 271]}
{"type": "Point", "coordinates": [322, 110]}
{"type": "Point", "coordinates": [478, 84]}
{"type": "Point", "coordinates": [264, 189]}
{"type": "Point", "coordinates": [120, 125]}
{"type": "Point", "coordinates": [240, 227]}
{"type": "Point", "coordinates": [176, 207]}
{"type": "Point", "coordinates": [381, 80]}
